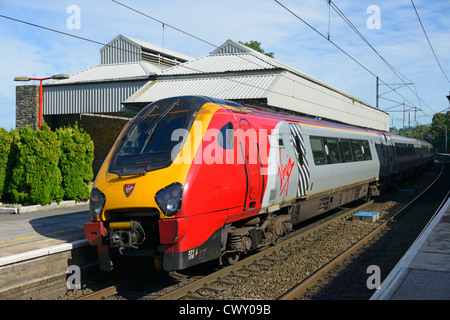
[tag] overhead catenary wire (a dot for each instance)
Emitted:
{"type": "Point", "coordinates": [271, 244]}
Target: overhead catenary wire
{"type": "Point", "coordinates": [331, 4]}
{"type": "Point", "coordinates": [184, 32]}
{"type": "Point", "coordinates": [394, 70]}
{"type": "Point", "coordinates": [429, 42]}
{"type": "Point", "coordinates": [342, 50]}
{"type": "Point", "coordinates": [253, 62]}
{"type": "Point", "coordinates": [65, 33]}
{"type": "Point", "coordinates": [114, 47]}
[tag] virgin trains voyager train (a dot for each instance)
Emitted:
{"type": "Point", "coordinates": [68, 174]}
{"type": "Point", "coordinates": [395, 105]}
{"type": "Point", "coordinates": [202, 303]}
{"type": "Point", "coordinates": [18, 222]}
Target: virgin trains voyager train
{"type": "Point", "coordinates": [192, 179]}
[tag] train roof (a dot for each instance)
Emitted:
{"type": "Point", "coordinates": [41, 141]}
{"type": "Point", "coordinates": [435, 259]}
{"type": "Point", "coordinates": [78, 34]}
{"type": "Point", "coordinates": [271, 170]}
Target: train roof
{"type": "Point", "coordinates": [316, 123]}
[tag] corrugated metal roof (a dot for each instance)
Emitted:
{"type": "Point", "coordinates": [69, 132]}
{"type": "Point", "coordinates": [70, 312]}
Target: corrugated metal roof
{"type": "Point", "coordinates": [120, 50]}
{"type": "Point", "coordinates": [230, 87]}
{"type": "Point", "coordinates": [123, 49]}
{"type": "Point", "coordinates": [111, 72]}
{"type": "Point", "coordinates": [220, 63]}
{"type": "Point", "coordinates": [98, 97]}
{"type": "Point", "coordinates": [233, 47]}
{"type": "Point", "coordinates": [164, 51]}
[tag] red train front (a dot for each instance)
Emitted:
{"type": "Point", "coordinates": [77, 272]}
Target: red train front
{"type": "Point", "coordinates": [180, 174]}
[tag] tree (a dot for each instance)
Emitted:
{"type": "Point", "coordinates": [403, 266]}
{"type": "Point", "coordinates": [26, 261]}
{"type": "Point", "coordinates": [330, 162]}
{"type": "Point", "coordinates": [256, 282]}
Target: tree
{"type": "Point", "coordinates": [439, 130]}
{"type": "Point", "coordinates": [255, 45]}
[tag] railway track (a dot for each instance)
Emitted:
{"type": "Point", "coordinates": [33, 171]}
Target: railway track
{"type": "Point", "coordinates": [207, 286]}
{"type": "Point", "coordinates": [231, 282]}
{"type": "Point", "coordinates": [217, 282]}
{"type": "Point", "coordinates": [408, 223]}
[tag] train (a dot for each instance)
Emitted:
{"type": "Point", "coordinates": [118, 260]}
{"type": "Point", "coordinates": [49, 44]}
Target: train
{"type": "Point", "coordinates": [192, 179]}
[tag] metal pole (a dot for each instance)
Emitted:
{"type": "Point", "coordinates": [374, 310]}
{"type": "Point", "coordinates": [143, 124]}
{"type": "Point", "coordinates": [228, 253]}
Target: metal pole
{"type": "Point", "coordinates": [377, 92]}
{"type": "Point", "coordinates": [445, 138]}
{"type": "Point", "coordinates": [403, 114]}
{"type": "Point", "coordinates": [41, 91]}
{"type": "Point", "coordinates": [41, 97]}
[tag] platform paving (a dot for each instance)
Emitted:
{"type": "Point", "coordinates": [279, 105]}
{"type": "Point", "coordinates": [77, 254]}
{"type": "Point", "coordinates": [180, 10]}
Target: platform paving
{"type": "Point", "coordinates": [423, 273]}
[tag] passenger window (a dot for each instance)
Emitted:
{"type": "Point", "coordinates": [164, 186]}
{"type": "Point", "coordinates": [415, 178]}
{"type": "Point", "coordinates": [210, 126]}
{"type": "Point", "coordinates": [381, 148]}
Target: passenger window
{"type": "Point", "coordinates": [318, 150]}
{"type": "Point", "coordinates": [333, 148]}
{"type": "Point", "coordinates": [367, 153]}
{"type": "Point", "coordinates": [357, 151]}
{"type": "Point", "coordinates": [347, 150]}
{"type": "Point", "coordinates": [225, 137]}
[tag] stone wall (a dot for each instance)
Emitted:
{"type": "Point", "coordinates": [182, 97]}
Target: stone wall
{"type": "Point", "coordinates": [27, 106]}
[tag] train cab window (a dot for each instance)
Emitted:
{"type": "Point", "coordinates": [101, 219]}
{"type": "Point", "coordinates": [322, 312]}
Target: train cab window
{"type": "Point", "coordinates": [333, 149]}
{"type": "Point", "coordinates": [346, 150]}
{"type": "Point", "coordinates": [357, 151]}
{"type": "Point", "coordinates": [225, 137]}
{"type": "Point", "coordinates": [318, 150]}
{"type": "Point", "coordinates": [366, 147]}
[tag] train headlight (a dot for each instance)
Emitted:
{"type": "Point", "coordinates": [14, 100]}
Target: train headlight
{"type": "Point", "coordinates": [96, 203]}
{"type": "Point", "coordinates": [169, 198]}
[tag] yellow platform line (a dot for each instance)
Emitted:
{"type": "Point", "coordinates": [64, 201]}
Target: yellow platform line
{"type": "Point", "coordinates": [41, 235]}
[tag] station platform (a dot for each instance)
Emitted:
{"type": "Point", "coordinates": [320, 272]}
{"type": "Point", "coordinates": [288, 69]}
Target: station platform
{"type": "Point", "coordinates": [40, 232]}
{"type": "Point", "coordinates": [36, 247]}
{"type": "Point", "coordinates": [423, 273]}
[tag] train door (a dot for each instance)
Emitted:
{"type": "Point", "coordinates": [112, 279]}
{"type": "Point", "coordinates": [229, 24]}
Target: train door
{"type": "Point", "coordinates": [302, 162]}
{"type": "Point", "coordinates": [283, 174]}
{"type": "Point", "coordinates": [390, 151]}
{"type": "Point", "coordinates": [252, 164]}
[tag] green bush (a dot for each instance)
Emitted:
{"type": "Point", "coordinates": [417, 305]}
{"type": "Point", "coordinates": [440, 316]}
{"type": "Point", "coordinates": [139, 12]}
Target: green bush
{"type": "Point", "coordinates": [76, 162]}
{"type": "Point", "coordinates": [36, 177]}
{"type": "Point", "coordinates": [45, 166]}
{"type": "Point", "coordinates": [6, 160]}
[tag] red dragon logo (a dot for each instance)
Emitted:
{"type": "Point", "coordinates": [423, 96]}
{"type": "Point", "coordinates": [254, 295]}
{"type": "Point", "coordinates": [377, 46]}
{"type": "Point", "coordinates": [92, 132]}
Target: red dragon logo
{"type": "Point", "coordinates": [128, 189]}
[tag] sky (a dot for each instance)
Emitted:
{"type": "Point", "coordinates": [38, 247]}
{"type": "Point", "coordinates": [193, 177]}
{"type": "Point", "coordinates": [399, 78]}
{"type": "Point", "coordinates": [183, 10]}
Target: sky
{"type": "Point", "coordinates": [399, 53]}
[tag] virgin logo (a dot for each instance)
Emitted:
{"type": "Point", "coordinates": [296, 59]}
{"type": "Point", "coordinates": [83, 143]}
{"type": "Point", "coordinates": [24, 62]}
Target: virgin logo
{"type": "Point", "coordinates": [128, 188]}
{"type": "Point", "coordinates": [284, 172]}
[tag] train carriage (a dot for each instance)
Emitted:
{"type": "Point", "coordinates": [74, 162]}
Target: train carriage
{"type": "Point", "coordinates": [192, 179]}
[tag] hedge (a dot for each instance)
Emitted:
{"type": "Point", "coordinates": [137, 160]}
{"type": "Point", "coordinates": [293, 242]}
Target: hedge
{"type": "Point", "coordinates": [76, 162]}
{"type": "Point", "coordinates": [44, 166]}
{"type": "Point", "coordinates": [6, 160]}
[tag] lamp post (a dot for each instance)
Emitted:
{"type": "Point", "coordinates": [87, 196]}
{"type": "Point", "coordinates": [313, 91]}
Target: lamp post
{"type": "Point", "coordinates": [41, 91]}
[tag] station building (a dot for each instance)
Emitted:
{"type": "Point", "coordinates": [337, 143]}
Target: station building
{"type": "Point", "coordinates": [133, 73]}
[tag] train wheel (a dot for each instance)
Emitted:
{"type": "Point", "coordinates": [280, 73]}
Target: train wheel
{"type": "Point", "coordinates": [231, 258]}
